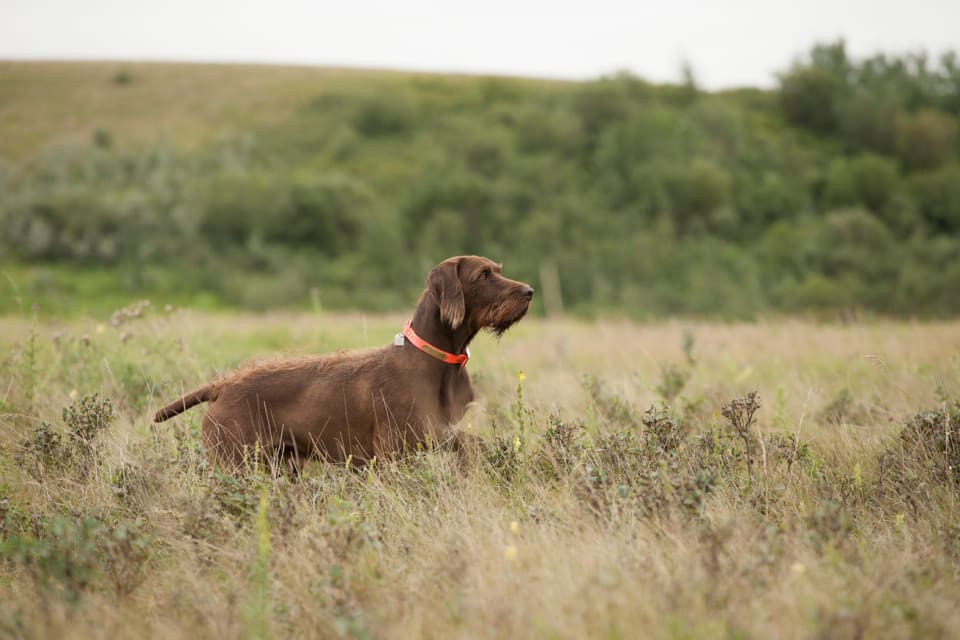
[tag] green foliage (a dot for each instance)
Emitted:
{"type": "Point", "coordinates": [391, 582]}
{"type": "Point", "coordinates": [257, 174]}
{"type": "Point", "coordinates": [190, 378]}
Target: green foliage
{"type": "Point", "coordinates": [86, 418]}
{"type": "Point", "coordinates": [938, 198]}
{"type": "Point", "coordinates": [648, 199]}
{"type": "Point", "coordinates": [866, 180]}
{"type": "Point", "coordinates": [696, 193]}
{"type": "Point", "coordinates": [807, 97]}
{"type": "Point", "coordinates": [258, 611]}
{"type": "Point", "coordinates": [926, 139]}
{"type": "Point", "coordinates": [672, 381]}
{"type": "Point", "coordinates": [122, 77]}
{"type": "Point", "coordinates": [46, 451]}
{"type": "Point", "coordinates": [42, 451]}
{"type": "Point", "coordinates": [928, 449]}
{"type": "Point", "coordinates": [386, 112]}
{"type": "Point", "coordinates": [73, 555]}
{"type": "Point", "coordinates": [868, 123]}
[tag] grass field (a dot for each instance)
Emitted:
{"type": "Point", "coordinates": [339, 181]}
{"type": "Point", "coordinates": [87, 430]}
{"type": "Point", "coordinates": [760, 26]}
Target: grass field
{"type": "Point", "coordinates": [834, 514]}
{"type": "Point", "coordinates": [186, 105]}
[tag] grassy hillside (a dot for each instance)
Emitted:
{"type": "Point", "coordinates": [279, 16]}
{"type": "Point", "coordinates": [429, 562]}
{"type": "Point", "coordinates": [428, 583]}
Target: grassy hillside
{"type": "Point", "coordinates": [266, 187]}
{"type": "Point", "coordinates": [191, 105]}
{"type": "Point", "coordinates": [834, 514]}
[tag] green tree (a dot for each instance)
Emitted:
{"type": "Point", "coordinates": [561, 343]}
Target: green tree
{"type": "Point", "coordinates": [926, 139]}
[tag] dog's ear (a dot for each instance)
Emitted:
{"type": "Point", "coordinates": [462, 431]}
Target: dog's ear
{"type": "Point", "coordinates": [444, 282]}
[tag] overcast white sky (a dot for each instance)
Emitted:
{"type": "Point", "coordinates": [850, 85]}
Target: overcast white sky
{"type": "Point", "coordinates": [728, 43]}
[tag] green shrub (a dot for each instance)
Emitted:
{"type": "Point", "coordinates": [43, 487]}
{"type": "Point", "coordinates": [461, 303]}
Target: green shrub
{"type": "Point", "coordinates": [866, 180]}
{"type": "Point", "coordinates": [72, 554]}
{"type": "Point", "coordinates": [926, 455]}
{"type": "Point", "coordinates": [926, 139]}
{"type": "Point", "coordinates": [386, 112]}
{"type": "Point", "coordinates": [868, 122]}
{"type": "Point", "coordinates": [807, 96]}
{"type": "Point", "coordinates": [765, 200]}
{"type": "Point", "coordinates": [938, 198]}
{"type": "Point", "coordinates": [696, 192]}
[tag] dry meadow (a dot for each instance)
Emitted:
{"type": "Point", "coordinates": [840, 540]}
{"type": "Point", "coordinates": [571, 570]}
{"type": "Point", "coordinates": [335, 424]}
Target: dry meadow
{"type": "Point", "coordinates": [631, 486]}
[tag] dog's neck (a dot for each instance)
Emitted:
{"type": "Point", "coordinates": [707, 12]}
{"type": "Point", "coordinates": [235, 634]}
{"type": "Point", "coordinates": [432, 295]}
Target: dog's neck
{"type": "Point", "coordinates": [429, 326]}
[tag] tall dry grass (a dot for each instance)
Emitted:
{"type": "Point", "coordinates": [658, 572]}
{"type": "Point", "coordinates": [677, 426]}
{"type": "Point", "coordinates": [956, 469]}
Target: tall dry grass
{"type": "Point", "coordinates": [833, 513]}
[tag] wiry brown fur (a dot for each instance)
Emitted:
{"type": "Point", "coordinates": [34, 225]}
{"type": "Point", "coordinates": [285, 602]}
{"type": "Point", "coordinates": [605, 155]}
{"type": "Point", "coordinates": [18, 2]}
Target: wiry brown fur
{"type": "Point", "coordinates": [362, 404]}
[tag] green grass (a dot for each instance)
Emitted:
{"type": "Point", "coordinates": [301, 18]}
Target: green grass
{"type": "Point", "coordinates": [583, 516]}
{"type": "Point", "coordinates": [63, 290]}
{"type": "Point", "coordinates": [189, 105]}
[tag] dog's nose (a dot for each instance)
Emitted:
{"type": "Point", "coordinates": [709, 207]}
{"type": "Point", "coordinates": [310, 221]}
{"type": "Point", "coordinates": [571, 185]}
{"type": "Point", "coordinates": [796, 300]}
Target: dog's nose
{"type": "Point", "coordinates": [528, 291]}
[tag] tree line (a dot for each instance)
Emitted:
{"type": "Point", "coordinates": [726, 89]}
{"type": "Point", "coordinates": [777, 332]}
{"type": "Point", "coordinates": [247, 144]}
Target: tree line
{"type": "Point", "coordinates": [838, 191]}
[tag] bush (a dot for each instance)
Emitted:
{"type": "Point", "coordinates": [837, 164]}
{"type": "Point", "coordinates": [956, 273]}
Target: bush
{"type": "Point", "coordinates": [866, 180]}
{"type": "Point", "coordinates": [867, 122]}
{"type": "Point", "coordinates": [763, 201]}
{"type": "Point", "coordinates": [236, 206]}
{"type": "Point", "coordinates": [938, 198]}
{"type": "Point", "coordinates": [926, 453]}
{"type": "Point", "coordinates": [45, 451]}
{"type": "Point", "coordinates": [72, 554]}
{"type": "Point", "coordinates": [807, 96]}
{"type": "Point", "coordinates": [854, 240]}
{"type": "Point", "coordinates": [845, 259]}
{"type": "Point", "coordinates": [604, 103]}
{"type": "Point", "coordinates": [326, 213]}
{"type": "Point", "coordinates": [384, 113]}
{"type": "Point", "coordinates": [695, 193]}
{"type": "Point", "coordinates": [926, 139]}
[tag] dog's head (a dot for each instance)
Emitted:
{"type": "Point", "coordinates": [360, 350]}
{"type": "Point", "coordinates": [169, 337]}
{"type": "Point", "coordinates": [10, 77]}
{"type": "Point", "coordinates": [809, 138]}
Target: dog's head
{"type": "Point", "coordinates": [472, 290]}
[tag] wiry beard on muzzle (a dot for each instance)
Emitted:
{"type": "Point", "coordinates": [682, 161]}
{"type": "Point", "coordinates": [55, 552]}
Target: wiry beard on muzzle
{"type": "Point", "coordinates": [506, 313]}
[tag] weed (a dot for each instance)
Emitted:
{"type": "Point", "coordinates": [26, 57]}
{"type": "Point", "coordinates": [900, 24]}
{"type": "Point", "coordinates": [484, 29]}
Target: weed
{"type": "Point", "coordinates": [926, 453]}
{"type": "Point", "coordinates": [672, 381]}
{"type": "Point", "coordinates": [28, 371]}
{"type": "Point", "coordinates": [46, 451]}
{"type": "Point", "coordinates": [86, 419]}
{"type": "Point", "coordinates": [740, 416]}
{"type": "Point", "coordinates": [838, 409]}
{"type": "Point", "coordinates": [65, 558]}
{"type": "Point", "coordinates": [130, 313]}
{"type": "Point", "coordinates": [233, 495]}
{"type": "Point", "coordinates": [507, 455]}
{"type": "Point", "coordinates": [614, 408]}
{"type": "Point", "coordinates": [134, 482]}
{"type": "Point", "coordinates": [122, 77]}
{"type": "Point", "coordinates": [562, 448]}
{"type": "Point", "coordinates": [788, 449]}
{"type": "Point", "coordinates": [125, 548]}
{"type": "Point", "coordinates": [43, 452]}
{"type": "Point", "coordinates": [503, 457]}
{"type": "Point", "coordinates": [523, 415]}
{"type": "Point", "coordinates": [687, 342]}
{"type": "Point", "coordinates": [71, 553]}
{"type": "Point", "coordinates": [663, 432]}
{"type": "Point", "coordinates": [258, 611]}
{"type": "Point", "coordinates": [102, 138]}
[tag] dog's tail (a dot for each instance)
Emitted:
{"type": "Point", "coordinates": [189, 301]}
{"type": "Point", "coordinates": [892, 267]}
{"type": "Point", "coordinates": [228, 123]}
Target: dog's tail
{"type": "Point", "coordinates": [195, 397]}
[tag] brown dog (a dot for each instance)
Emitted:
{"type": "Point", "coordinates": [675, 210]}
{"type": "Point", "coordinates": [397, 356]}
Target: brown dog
{"type": "Point", "coordinates": [363, 404]}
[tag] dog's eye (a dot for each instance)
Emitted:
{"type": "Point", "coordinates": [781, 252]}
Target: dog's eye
{"type": "Point", "coordinates": [485, 274]}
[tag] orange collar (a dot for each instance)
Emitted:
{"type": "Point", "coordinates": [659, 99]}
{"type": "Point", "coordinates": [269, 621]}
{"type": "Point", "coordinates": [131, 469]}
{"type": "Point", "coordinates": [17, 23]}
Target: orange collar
{"type": "Point", "coordinates": [431, 350]}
